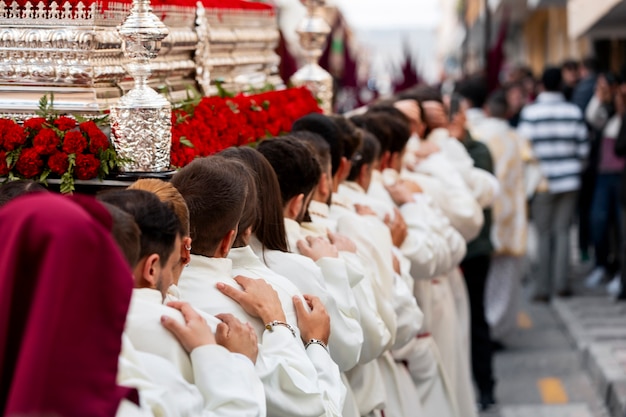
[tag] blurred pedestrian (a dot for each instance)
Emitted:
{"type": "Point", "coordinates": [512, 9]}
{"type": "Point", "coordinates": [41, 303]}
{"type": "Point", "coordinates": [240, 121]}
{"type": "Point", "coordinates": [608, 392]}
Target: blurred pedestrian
{"type": "Point", "coordinates": [559, 138]}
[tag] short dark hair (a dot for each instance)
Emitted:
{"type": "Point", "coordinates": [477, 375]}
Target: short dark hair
{"type": "Point", "coordinates": [590, 63]}
{"type": "Point", "coordinates": [297, 169]}
{"type": "Point", "coordinates": [323, 126]}
{"type": "Point", "coordinates": [551, 79]}
{"type": "Point", "coordinates": [497, 104]}
{"type": "Point", "coordinates": [157, 221]}
{"type": "Point", "coordinates": [215, 190]}
{"type": "Point", "coordinates": [269, 227]}
{"type": "Point", "coordinates": [250, 214]}
{"type": "Point", "coordinates": [421, 93]}
{"type": "Point", "coordinates": [317, 144]}
{"type": "Point", "coordinates": [374, 124]}
{"type": "Point", "coordinates": [475, 90]}
{"type": "Point", "coordinates": [13, 189]}
{"type": "Point", "coordinates": [126, 233]}
{"type": "Point", "coordinates": [349, 134]}
{"type": "Point", "coordinates": [570, 65]}
{"type": "Point", "coordinates": [398, 127]}
{"type": "Point", "coordinates": [367, 154]}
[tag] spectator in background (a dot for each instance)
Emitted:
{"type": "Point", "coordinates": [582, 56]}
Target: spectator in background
{"type": "Point", "coordinates": [620, 149]}
{"type": "Point", "coordinates": [515, 102]}
{"type": "Point", "coordinates": [570, 74]}
{"type": "Point", "coordinates": [603, 114]}
{"type": "Point", "coordinates": [559, 138]}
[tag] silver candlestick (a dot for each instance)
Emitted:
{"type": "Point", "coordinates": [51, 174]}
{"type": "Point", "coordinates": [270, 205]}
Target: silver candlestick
{"type": "Point", "coordinates": [313, 32]}
{"type": "Point", "coordinates": [141, 121]}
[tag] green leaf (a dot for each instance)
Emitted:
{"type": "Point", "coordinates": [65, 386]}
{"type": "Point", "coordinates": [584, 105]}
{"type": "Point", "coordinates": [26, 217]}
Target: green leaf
{"type": "Point", "coordinates": [12, 157]}
{"type": "Point", "coordinates": [221, 91]}
{"type": "Point", "coordinates": [186, 142]}
{"type": "Point", "coordinates": [67, 183]}
{"type": "Point", "coordinates": [44, 175]}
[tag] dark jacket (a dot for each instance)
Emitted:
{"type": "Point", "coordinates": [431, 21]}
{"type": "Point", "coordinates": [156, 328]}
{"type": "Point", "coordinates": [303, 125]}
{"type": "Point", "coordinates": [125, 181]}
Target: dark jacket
{"type": "Point", "coordinates": [620, 150]}
{"type": "Point", "coordinates": [479, 152]}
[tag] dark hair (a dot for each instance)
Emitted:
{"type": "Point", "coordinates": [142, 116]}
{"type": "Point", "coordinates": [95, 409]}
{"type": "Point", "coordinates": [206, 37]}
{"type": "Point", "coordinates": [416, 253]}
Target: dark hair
{"type": "Point", "coordinates": [398, 127]}
{"type": "Point", "coordinates": [551, 79]}
{"type": "Point", "coordinates": [13, 189]}
{"type": "Point", "coordinates": [421, 93]}
{"type": "Point", "coordinates": [497, 104]}
{"type": "Point", "coordinates": [570, 65]}
{"type": "Point", "coordinates": [297, 169]}
{"type": "Point", "coordinates": [475, 90]}
{"type": "Point", "coordinates": [269, 227]}
{"type": "Point", "coordinates": [317, 144]}
{"type": "Point", "coordinates": [157, 221]}
{"type": "Point", "coordinates": [126, 233]}
{"type": "Point", "coordinates": [368, 153]}
{"type": "Point", "coordinates": [590, 63]}
{"type": "Point", "coordinates": [323, 126]}
{"type": "Point", "coordinates": [350, 135]}
{"type": "Point", "coordinates": [215, 190]}
{"type": "Point", "coordinates": [250, 214]}
{"type": "Point", "coordinates": [374, 124]}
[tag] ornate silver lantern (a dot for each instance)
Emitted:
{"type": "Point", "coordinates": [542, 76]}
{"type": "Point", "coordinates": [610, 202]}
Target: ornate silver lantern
{"type": "Point", "coordinates": [313, 31]}
{"type": "Point", "coordinates": [141, 120]}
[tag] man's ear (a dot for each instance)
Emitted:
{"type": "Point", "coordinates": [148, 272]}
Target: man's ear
{"type": "Point", "coordinates": [148, 271]}
{"type": "Point", "coordinates": [226, 243]}
{"type": "Point", "coordinates": [185, 250]}
{"type": "Point", "coordinates": [294, 206]}
{"type": "Point", "coordinates": [363, 172]}
{"type": "Point", "coordinates": [344, 169]}
{"type": "Point", "coordinates": [323, 187]}
{"type": "Point", "coordinates": [384, 160]}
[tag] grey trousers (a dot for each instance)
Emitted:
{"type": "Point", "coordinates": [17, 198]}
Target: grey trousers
{"type": "Point", "coordinates": [553, 215]}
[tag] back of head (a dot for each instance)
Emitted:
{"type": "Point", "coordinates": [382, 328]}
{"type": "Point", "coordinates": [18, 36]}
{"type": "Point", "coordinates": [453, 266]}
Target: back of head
{"type": "Point", "coordinates": [297, 169]}
{"type": "Point", "coordinates": [398, 127]}
{"type": "Point", "coordinates": [64, 291]}
{"type": "Point", "coordinates": [317, 144]}
{"type": "Point", "coordinates": [167, 193]}
{"type": "Point", "coordinates": [497, 105]}
{"type": "Point", "coordinates": [269, 226]}
{"type": "Point", "coordinates": [421, 93]}
{"type": "Point", "coordinates": [590, 64]}
{"type": "Point", "coordinates": [126, 233]}
{"type": "Point", "coordinates": [14, 189]}
{"type": "Point", "coordinates": [569, 65]}
{"type": "Point", "coordinates": [475, 90]}
{"type": "Point", "coordinates": [551, 79]}
{"type": "Point", "coordinates": [349, 135]}
{"type": "Point", "coordinates": [250, 213]}
{"type": "Point", "coordinates": [375, 124]}
{"type": "Point", "coordinates": [157, 221]}
{"type": "Point", "coordinates": [327, 129]}
{"type": "Point", "coordinates": [366, 155]}
{"type": "Point", "coordinates": [215, 190]}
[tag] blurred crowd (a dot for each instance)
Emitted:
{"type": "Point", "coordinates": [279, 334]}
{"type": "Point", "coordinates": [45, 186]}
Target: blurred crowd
{"type": "Point", "coordinates": [361, 265]}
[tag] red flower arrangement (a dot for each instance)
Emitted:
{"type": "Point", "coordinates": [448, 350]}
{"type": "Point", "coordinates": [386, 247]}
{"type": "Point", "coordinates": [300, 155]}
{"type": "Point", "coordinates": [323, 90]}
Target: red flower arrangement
{"type": "Point", "coordinates": [57, 145]}
{"type": "Point", "coordinates": [217, 123]}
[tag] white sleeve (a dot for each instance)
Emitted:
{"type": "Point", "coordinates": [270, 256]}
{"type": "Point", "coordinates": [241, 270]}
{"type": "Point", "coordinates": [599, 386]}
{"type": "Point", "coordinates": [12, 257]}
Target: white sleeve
{"type": "Point", "coordinates": [292, 384]}
{"type": "Point", "coordinates": [409, 315]}
{"type": "Point", "coordinates": [452, 196]}
{"type": "Point", "coordinates": [333, 389]}
{"type": "Point", "coordinates": [346, 334]}
{"type": "Point", "coordinates": [595, 114]}
{"type": "Point", "coordinates": [164, 392]}
{"type": "Point", "coordinates": [228, 381]}
{"type": "Point", "coordinates": [425, 247]}
{"type": "Point", "coordinates": [484, 186]}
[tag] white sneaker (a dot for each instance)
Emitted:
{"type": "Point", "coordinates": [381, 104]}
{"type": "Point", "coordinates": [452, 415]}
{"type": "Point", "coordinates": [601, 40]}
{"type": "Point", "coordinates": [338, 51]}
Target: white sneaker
{"type": "Point", "coordinates": [615, 286]}
{"type": "Point", "coordinates": [595, 278]}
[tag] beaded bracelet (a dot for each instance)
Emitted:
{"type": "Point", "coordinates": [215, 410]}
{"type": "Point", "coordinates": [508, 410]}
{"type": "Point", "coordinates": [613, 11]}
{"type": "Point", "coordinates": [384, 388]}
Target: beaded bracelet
{"type": "Point", "coordinates": [270, 326]}
{"type": "Point", "coordinates": [316, 342]}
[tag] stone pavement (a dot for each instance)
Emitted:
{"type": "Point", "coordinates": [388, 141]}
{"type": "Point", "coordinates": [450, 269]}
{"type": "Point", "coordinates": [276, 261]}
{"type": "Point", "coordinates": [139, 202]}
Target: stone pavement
{"type": "Point", "coordinates": [597, 327]}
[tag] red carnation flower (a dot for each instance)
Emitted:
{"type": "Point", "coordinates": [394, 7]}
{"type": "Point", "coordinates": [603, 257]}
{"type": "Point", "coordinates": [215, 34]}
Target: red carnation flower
{"type": "Point", "coordinates": [58, 163]}
{"type": "Point", "coordinates": [65, 123]}
{"type": "Point", "coordinates": [29, 163]}
{"type": "Point", "coordinates": [86, 166]}
{"type": "Point", "coordinates": [74, 142]}
{"type": "Point", "coordinates": [98, 141]}
{"type": "Point", "coordinates": [88, 127]}
{"type": "Point", "coordinates": [34, 123]}
{"type": "Point", "coordinates": [12, 136]}
{"type": "Point", "coordinates": [4, 168]}
{"type": "Point", "coordinates": [46, 141]}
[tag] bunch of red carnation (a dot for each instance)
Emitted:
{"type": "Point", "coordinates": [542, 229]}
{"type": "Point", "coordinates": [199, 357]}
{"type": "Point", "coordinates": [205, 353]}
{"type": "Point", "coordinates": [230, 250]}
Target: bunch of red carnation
{"type": "Point", "coordinates": [217, 123]}
{"type": "Point", "coordinates": [56, 145]}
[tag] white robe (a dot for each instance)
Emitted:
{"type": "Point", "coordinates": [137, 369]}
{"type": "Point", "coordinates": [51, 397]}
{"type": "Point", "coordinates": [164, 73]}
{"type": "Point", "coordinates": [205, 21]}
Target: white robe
{"type": "Point", "coordinates": [296, 381]}
{"type": "Point", "coordinates": [225, 384]}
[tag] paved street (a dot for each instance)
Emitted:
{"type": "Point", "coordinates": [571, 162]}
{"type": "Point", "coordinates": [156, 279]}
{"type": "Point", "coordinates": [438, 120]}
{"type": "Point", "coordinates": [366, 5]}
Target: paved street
{"type": "Point", "coordinates": [568, 358]}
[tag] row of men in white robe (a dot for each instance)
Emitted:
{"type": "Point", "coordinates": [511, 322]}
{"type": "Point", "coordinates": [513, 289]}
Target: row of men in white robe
{"type": "Point", "coordinates": [399, 334]}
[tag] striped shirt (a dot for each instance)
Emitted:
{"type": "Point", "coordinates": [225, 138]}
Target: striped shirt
{"type": "Point", "coordinates": [558, 135]}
